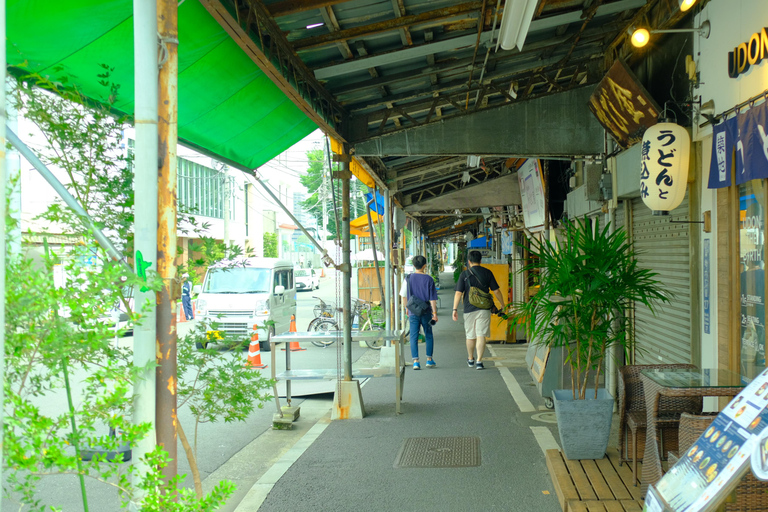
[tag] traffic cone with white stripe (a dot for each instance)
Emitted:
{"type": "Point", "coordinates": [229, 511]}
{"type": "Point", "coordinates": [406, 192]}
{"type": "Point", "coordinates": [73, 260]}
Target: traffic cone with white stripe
{"type": "Point", "coordinates": [294, 345]}
{"type": "Point", "coordinates": [254, 353]}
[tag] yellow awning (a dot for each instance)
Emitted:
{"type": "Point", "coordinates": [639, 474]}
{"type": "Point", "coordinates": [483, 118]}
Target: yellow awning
{"type": "Point", "coordinates": [359, 226]}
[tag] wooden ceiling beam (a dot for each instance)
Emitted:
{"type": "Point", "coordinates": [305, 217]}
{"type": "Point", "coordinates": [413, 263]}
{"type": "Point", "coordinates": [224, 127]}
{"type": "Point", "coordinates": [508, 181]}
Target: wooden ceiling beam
{"type": "Point", "coordinates": [385, 26]}
{"type": "Point", "coordinates": [287, 7]}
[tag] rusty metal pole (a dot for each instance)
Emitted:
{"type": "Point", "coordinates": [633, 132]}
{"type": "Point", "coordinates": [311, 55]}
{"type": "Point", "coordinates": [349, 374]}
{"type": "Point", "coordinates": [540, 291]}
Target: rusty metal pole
{"type": "Point", "coordinates": [167, 27]}
{"type": "Point", "coordinates": [345, 176]}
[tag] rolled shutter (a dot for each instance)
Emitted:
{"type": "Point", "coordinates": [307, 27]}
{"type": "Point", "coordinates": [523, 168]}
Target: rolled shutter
{"type": "Point", "coordinates": [664, 248]}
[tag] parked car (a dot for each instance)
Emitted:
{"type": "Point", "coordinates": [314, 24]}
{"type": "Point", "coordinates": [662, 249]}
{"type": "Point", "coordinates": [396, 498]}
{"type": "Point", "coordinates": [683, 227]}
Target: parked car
{"type": "Point", "coordinates": [306, 279]}
{"type": "Point", "coordinates": [236, 295]}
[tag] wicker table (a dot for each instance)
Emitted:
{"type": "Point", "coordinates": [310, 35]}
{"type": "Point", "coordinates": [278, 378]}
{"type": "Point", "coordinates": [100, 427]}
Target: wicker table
{"type": "Point", "coordinates": [679, 383]}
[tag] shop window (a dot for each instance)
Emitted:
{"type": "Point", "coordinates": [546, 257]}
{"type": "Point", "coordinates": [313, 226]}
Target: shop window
{"type": "Point", "coordinates": [752, 201]}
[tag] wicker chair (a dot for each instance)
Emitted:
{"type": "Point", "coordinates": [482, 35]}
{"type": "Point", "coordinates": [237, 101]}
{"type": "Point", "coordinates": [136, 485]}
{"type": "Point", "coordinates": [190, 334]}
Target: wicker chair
{"type": "Point", "coordinates": [633, 416]}
{"type": "Point", "coordinates": [751, 495]}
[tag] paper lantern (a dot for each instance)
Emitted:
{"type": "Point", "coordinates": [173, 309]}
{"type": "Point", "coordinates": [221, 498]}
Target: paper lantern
{"type": "Point", "coordinates": [664, 167]}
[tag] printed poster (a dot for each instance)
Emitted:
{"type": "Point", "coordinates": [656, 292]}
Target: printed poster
{"type": "Point", "coordinates": [532, 193]}
{"type": "Point", "coordinates": [715, 463]}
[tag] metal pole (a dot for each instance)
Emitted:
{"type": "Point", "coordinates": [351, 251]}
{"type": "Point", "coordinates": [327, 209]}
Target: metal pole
{"type": "Point", "coordinates": [347, 280]}
{"type": "Point", "coordinates": [387, 258]}
{"type": "Point", "coordinates": [70, 201]}
{"type": "Point", "coordinates": [145, 220]}
{"type": "Point", "coordinates": [3, 227]}
{"type": "Point", "coordinates": [168, 30]}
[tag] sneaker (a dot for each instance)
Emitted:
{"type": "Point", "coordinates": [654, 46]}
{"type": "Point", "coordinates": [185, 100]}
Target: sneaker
{"type": "Point", "coordinates": [479, 366]}
{"type": "Point", "coordinates": [471, 363]}
{"type": "Point", "coordinates": [431, 364]}
{"type": "Point", "coordinates": [416, 365]}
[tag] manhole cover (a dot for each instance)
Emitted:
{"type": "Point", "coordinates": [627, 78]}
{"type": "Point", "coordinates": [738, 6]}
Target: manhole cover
{"type": "Point", "coordinates": [439, 452]}
{"type": "Point", "coordinates": [546, 417]}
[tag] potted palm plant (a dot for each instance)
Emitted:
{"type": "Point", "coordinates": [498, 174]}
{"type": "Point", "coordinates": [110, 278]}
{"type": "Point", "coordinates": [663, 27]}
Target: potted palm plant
{"type": "Point", "coordinates": [589, 279]}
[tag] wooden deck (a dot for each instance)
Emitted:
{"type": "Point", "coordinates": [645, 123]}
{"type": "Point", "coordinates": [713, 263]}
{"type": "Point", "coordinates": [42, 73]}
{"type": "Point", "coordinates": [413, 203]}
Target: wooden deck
{"type": "Point", "coordinates": [594, 485]}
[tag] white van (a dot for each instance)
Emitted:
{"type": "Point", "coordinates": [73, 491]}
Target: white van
{"type": "Point", "coordinates": [238, 294]}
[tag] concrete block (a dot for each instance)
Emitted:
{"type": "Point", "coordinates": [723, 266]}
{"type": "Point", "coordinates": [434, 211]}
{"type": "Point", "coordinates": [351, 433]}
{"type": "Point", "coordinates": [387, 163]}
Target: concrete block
{"type": "Point", "coordinates": [387, 356]}
{"type": "Point", "coordinates": [291, 412]}
{"type": "Point", "coordinates": [284, 423]}
{"type": "Point", "coordinates": [348, 401]}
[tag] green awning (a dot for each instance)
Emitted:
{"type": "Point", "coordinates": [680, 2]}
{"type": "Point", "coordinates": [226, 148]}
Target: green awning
{"type": "Point", "coordinates": [227, 106]}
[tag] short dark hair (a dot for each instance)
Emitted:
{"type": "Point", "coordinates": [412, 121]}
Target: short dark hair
{"type": "Point", "coordinates": [419, 262]}
{"type": "Point", "coordinates": [475, 257]}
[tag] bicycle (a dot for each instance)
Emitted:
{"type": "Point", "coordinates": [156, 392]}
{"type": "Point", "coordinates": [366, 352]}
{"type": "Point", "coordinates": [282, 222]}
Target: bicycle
{"type": "Point", "coordinates": [323, 321]}
{"type": "Point", "coordinates": [370, 317]}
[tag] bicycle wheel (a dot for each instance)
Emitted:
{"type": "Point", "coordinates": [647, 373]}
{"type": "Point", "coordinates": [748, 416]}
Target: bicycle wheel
{"type": "Point", "coordinates": [375, 344]}
{"type": "Point", "coordinates": [324, 325]}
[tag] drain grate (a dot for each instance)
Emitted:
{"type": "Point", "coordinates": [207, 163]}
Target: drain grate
{"type": "Point", "coordinates": [439, 452]}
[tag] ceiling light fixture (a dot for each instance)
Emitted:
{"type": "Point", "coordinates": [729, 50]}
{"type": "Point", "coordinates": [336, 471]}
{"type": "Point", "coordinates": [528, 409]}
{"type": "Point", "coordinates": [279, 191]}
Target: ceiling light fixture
{"type": "Point", "coordinates": [315, 25]}
{"type": "Point", "coordinates": [641, 36]}
{"type": "Point", "coordinates": [515, 23]}
{"type": "Point", "coordinates": [686, 4]}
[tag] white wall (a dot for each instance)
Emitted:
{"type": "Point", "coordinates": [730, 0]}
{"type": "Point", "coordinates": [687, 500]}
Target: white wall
{"type": "Point", "coordinates": [732, 22]}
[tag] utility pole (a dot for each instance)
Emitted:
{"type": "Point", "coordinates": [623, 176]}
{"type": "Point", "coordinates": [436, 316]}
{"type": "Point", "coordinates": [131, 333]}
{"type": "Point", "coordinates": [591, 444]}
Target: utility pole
{"type": "Point", "coordinates": [168, 31]}
{"type": "Point", "coordinates": [227, 205]}
{"type": "Point", "coordinates": [323, 197]}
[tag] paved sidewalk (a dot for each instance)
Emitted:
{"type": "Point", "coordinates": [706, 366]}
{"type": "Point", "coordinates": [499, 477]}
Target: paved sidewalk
{"type": "Point", "coordinates": [349, 465]}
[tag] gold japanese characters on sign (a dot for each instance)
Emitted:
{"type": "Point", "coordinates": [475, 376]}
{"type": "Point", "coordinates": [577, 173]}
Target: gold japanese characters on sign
{"type": "Point", "coordinates": [623, 106]}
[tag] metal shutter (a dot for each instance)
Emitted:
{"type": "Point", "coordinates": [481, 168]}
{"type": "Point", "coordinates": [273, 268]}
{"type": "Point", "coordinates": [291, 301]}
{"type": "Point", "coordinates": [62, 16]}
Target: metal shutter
{"type": "Point", "coordinates": [664, 248]}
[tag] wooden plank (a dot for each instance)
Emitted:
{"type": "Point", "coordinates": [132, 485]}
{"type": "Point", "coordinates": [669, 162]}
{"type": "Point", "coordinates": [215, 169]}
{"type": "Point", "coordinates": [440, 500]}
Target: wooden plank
{"type": "Point", "coordinates": [583, 487]}
{"type": "Point", "coordinates": [595, 506]}
{"type": "Point", "coordinates": [625, 472]}
{"type": "Point", "coordinates": [632, 505]}
{"type": "Point", "coordinates": [576, 506]}
{"type": "Point", "coordinates": [613, 506]}
{"type": "Point", "coordinates": [599, 485]}
{"type": "Point", "coordinates": [613, 480]}
{"type": "Point", "coordinates": [561, 479]}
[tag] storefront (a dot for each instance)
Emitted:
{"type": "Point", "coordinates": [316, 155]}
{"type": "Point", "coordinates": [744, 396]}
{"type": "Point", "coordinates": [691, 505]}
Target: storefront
{"type": "Point", "coordinates": [732, 147]}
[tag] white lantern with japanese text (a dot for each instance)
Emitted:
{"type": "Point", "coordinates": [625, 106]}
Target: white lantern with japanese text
{"type": "Point", "coordinates": [664, 167]}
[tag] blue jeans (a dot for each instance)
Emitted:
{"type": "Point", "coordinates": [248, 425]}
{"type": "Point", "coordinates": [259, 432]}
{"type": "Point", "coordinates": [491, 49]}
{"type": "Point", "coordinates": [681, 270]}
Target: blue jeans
{"type": "Point", "coordinates": [415, 322]}
{"type": "Point", "coordinates": [186, 302]}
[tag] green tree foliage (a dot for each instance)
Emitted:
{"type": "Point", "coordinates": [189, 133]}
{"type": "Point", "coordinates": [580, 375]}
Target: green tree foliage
{"type": "Point", "coordinates": [320, 192]}
{"type": "Point", "coordinates": [270, 245]}
{"type": "Point", "coordinates": [58, 336]}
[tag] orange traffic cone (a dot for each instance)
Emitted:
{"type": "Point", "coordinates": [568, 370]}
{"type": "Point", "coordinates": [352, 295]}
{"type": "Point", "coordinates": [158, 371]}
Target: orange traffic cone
{"type": "Point", "coordinates": [254, 353]}
{"type": "Point", "coordinates": [294, 345]}
{"type": "Point", "coordinates": [182, 316]}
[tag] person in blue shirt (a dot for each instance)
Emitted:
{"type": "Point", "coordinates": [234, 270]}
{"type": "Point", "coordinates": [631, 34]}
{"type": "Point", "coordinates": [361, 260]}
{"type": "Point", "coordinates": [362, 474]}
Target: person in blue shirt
{"type": "Point", "coordinates": [186, 297]}
{"type": "Point", "coordinates": [423, 287]}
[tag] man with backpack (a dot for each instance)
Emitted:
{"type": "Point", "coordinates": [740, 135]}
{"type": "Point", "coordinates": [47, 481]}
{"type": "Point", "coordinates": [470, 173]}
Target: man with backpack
{"type": "Point", "coordinates": [475, 284]}
{"type": "Point", "coordinates": [420, 299]}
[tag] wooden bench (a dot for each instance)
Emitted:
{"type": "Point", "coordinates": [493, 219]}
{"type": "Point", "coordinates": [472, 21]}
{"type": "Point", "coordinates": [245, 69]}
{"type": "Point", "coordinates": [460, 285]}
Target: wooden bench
{"type": "Point", "coordinates": [593, 485]}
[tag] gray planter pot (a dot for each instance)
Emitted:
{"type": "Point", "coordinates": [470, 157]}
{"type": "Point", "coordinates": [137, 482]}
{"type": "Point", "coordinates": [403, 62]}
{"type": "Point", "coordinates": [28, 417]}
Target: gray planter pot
{"type": "Point", "coordinates": [584, 425]}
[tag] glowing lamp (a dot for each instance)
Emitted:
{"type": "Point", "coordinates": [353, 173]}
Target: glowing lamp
{"type": "Point", "coordinates": [640, 37]}
{"type": "Point", "coordinates": [665, 156]}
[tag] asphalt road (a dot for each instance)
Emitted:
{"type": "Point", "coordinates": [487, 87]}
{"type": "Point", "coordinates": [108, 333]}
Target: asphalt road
{"type": "Point", "coordinates": [217, 442]}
